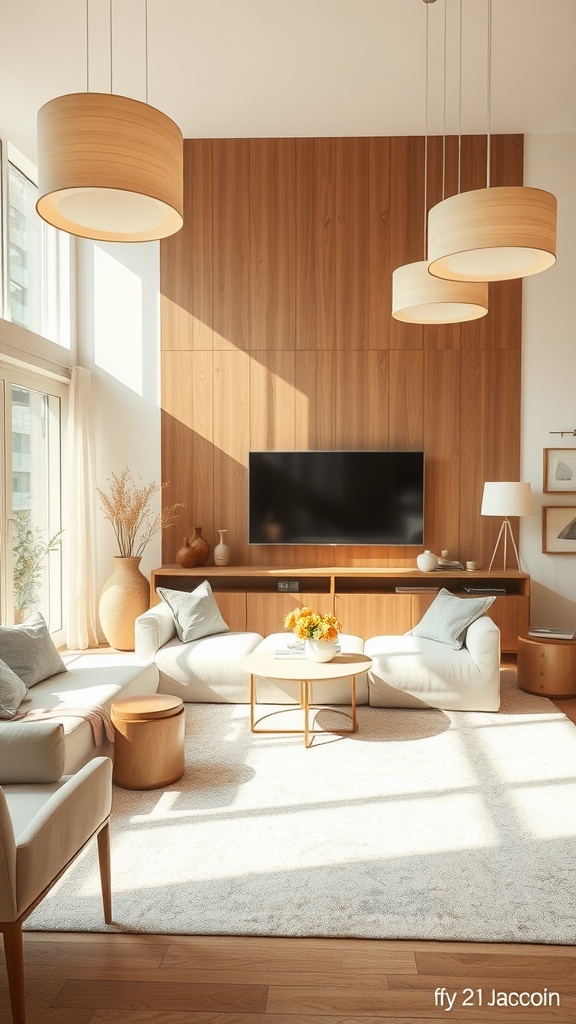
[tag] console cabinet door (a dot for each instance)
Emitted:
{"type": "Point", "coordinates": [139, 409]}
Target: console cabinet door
{"type": "Point", "coordinates": [232, 608]}
{"type": "Point", "coordinates": [367, 615]}
{"type": "Point", "coordinates": [265, 611]}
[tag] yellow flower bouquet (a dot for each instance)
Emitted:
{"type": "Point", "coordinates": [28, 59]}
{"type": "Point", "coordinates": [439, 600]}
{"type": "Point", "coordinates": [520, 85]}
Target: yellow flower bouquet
{"type": "Point", "coordinates": [307, 624]}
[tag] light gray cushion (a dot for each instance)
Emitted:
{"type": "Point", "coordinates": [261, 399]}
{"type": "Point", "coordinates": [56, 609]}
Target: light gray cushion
{"type": "Point", "coordinates": [448, 618]}
{"type": "Point", "coordinates": [12, 691]}
{"type": "Point", "coordinates": [196, 613]}
{"type": "Point", "coordinates": [29, 650]}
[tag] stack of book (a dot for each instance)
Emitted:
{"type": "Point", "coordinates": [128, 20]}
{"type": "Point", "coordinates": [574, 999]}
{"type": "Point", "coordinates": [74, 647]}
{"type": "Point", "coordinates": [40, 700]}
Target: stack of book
{"type": "Point", "coordinates": [448, 563]}
{"type": "Point", "coordinates": [552, 633]}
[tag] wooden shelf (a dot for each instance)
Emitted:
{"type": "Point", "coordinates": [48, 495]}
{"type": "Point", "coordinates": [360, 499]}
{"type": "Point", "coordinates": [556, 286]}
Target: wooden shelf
{"type": "Point", "coordinates": [364, 598]}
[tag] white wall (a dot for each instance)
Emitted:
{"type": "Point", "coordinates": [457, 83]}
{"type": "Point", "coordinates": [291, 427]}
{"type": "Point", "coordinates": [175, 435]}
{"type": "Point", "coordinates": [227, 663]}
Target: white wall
{"type": "Point", "coordinates": [549, 376]}
{"type": "Point", "coordinates": [119, 341]}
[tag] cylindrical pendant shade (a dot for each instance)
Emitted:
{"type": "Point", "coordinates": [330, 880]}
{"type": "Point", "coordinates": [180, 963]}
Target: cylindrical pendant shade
{"type": "Point", "coordinates": [110, 168]}
{"type": "Point", "coordinates": [419, 298]}
{"type": "Point", "coordinates": [492, 234]}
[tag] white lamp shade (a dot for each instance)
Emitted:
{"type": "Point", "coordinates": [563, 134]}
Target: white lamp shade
{"type": "Point", "coordinates": [419, 298]}
{"type": "Point", "coordinates": [492, 234]}
{"type": "Point", "coordinates": [110, 168]}
{"type": "Point", "coordinates": [507, 498]}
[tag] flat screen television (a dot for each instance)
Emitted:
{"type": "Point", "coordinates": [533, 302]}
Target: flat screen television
{"type": "Point", "coordinates": [336, 497]}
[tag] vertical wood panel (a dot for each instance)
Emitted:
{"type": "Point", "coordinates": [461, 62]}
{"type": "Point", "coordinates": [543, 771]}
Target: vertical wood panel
{"type": "Point", "coordinates": [362, 381]}
{"type": "Point", "coordinates": [490, 442]}
{"type": "Point", "coordinates": [380, 263]}
{"type": "Point", "coordinates": [231, 238]}
{"type": "Point", "coordinates": [272, 258]}
{"type": "Point", "coordinates": [187, 450]}
{"type": "Point", "coordinates": [231, 446]}
{"type": "Point", "coordinates": [315, 244]}
{"type": "Point", "coordinates": [442, 450]}
{"type": "Point", "coordinates": [352, 254]}
{"type": "Point", "coordinates": [186, 259]}
{"type": "Point", "coordinates": [406, 400]}
{"type": "Point", "coordinates": [406, 223]}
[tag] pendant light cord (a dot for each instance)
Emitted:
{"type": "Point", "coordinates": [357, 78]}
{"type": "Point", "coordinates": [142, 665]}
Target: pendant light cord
{"type": "Point", "coordinates": [459, 94]}
{"type": "Point", "coordinates": [444, 114]}
{"type": "Point", "coordinates": [111, 29]}
{"type": "Point", "coordinates": [488, 88]}
{"type": "Point", "coordinates": [146, 45]}
{"type": "Point", "coordinates": [87, 46]}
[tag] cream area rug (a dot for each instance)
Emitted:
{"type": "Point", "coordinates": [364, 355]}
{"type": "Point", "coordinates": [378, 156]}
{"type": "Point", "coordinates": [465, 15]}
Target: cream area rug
{"type": "Point", "coordinates": [424, 824]}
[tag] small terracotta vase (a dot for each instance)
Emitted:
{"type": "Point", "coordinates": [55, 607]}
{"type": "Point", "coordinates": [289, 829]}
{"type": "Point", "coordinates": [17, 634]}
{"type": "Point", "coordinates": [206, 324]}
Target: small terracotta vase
{"type": "Point", "coordinates": [200, 545]}
{"type": "Point", "coordinates": [222, 551]}
{"type": "Point", "coordinates": [187, 556]}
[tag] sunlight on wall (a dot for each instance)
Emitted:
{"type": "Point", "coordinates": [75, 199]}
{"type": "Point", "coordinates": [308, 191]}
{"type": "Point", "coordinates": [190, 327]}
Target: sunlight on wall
{"type": "Point", "coordinates": [118, 322]}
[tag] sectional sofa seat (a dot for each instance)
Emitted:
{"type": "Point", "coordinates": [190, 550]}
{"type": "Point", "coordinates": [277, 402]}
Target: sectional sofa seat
{"type": "Point", "coordinates": [33, 750]}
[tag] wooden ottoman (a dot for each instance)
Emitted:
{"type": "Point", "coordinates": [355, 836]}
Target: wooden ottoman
{"type": "Point", "coordinates": [547, 667]}
{"type": "Point", "coordinates": [149, 741]}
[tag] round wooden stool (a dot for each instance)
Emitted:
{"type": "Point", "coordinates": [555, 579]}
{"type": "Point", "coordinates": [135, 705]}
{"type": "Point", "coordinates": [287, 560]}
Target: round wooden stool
{"type": "Point", "coordinates": [547, 667]}
{"type": "Point", "coordinates": [149, 741]}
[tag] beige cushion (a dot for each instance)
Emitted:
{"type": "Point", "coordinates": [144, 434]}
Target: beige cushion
{"type": "Point", "coordinates": [12, 691]}
{"type": "Point", "coordinates": [196, 613]}
{"type": "Point", "coordinates": [208, 669]}
{"type": "Point", "coordinates": [29, 650]}
{"type": "Point", "coordinates": [31, 752]}
{"type": "Point", "coordinates": [448, 618]}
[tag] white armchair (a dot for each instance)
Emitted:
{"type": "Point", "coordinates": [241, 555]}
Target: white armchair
{"type": "Point", "coordinates": [43, 828]}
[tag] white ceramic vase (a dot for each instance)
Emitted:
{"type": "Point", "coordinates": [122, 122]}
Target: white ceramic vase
{"type": "Point", "coordinates": [427, 561]}
{"type": "Point", "coordinates": [320, 650]}
{"type": "Point", "coordinates": [222, 551]}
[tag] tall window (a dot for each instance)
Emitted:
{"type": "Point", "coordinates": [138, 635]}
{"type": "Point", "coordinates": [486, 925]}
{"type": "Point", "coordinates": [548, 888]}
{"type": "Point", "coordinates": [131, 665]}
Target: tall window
{"type": "Point", "coordinates": [32, 576]}
{"type": "Point", "coordinates": [38, 258]}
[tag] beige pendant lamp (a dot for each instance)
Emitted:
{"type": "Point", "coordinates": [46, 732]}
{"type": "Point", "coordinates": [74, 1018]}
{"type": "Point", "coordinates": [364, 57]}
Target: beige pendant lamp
{"type": "Point", "coordinates": [495, 233]}
{"type": "Point", "coordinates": [419, 298]}
{"type": "Point", "coordinates": [110, 167]}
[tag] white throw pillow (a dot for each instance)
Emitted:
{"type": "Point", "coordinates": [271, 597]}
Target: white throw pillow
{"type": "Point", "coordinates": [196, 613]}
{"type": "Point", "coordinates": [448, 618]}
{"type": "Point", "coordinates": [29, 650]}
{"type": "Point", "coordinates": [12, 691]}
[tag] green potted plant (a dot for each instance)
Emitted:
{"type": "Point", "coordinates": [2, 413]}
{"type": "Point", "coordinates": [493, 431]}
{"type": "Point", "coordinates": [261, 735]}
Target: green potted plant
{"type": "Point", "coordinates": [30, 550]}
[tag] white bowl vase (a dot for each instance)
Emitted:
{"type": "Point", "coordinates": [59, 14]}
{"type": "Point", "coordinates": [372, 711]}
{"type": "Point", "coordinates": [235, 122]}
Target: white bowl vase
{"type": "Point", "coordinates": [320, 650]}
{"type": "Point", "coordinates": [427, 561]}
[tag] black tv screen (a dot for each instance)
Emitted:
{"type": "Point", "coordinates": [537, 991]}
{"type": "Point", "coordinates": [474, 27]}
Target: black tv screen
{"type": "Point", "coordinates": [336, 497]}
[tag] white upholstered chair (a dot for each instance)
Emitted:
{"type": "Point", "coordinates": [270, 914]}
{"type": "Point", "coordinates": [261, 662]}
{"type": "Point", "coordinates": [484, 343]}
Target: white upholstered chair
{"type": "Point", "coordinates": [43, 828]}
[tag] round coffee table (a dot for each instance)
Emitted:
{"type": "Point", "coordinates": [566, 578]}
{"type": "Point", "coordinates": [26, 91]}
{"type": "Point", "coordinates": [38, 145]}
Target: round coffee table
{"type": "Point", "coordinates": [307, 673]}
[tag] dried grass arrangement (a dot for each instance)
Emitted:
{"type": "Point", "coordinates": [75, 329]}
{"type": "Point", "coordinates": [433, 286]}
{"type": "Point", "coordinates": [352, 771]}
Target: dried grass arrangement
{"type": "Point", "coordinates": [127, 507]}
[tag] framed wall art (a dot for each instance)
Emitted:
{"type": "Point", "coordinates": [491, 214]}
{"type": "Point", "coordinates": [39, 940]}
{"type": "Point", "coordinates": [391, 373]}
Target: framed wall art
{"type": "Point", "coordinates": [559, 530]}
{"type": "Point", "coordinates": [559, 471]}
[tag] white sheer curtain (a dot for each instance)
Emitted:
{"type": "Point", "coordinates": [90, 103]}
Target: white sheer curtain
{"type": "Point", "coordinates": [82, 588]}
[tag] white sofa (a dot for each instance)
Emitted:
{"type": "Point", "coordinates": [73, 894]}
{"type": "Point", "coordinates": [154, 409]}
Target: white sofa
{"type": "Point", "coordinates": [44, 751]}
{"type": "Point", "coordinates": [407, 671]}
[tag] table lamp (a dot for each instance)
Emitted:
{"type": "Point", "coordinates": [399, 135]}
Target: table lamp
{"type": "Point", "coordinates": [506, 498]}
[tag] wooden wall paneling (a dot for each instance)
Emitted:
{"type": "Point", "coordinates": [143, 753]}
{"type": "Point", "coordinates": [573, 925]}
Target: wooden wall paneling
{"type": "Point", "coordinates": [361, 396]}
{"type": "Point", "coordinates": [272, 259]}
{"type": "Point", "coordinates": [380, 263]}
{"type": "Point", "coordinates": [490, 441]}
{"type": "Point", "coordinates": [406, 400]}
{"type": "Point", "coordinates": [186, 259]}
{"type": "Point", "coordinates": [231, 445]}
{"type": "Point", "coordinates": [351, 244]}
{"type": "Point", "coordinates": [406, 223]}
{"type": "Point", "coordinates": [273, 402]}
{"type": "Point", "coordinates": [315, 380]}
{"type": "Point", "coordinates": [187, 452]}
{"type": "Point", "coordinates": [506, 159]}
{"type": "Point", "coordinates": [315, 244]}
{"type": "Point", "coordinates": [442, 450]}
{"type": "Point", "coordinates": [231, 238]}
{"type": "Point", "coordinates": [233, 609]}
{"type": "Point", "coordinates": [266, 611]}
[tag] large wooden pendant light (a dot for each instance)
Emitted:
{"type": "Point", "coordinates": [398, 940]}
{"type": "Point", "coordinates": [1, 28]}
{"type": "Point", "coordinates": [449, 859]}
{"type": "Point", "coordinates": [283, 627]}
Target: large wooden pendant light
{"type": "Point", "coordinates": [492, 234]}
{"type": "Point", "coordinates": [109, 167]}
{"type": "Point", "coordinates": [419, 298]}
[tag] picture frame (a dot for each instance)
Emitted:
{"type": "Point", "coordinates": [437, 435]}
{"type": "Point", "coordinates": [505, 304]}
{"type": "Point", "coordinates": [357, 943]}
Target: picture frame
{"type": "Point", "coordinates": [558, 520]}
{"type": "Point", "coordinates": [559, 471]}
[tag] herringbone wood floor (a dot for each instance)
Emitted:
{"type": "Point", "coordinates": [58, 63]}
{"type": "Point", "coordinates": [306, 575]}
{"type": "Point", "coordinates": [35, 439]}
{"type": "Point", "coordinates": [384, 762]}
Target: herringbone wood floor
{"type": "Point", "coordinates": [151, 979]}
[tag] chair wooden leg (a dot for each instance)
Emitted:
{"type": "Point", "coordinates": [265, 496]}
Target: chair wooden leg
{"type": "Point", "coordinates": [105, 876]}
{"type": "Point", "coordinates": [15, 968]}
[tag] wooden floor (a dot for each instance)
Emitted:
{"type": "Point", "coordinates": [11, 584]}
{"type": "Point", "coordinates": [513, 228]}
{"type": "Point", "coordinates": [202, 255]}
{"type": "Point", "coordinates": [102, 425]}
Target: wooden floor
{"type": "Point", "coordinates": [151, 979]}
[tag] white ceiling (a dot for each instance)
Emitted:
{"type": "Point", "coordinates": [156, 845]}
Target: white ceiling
{"type": "Point", "coordinates": [255, 68]}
